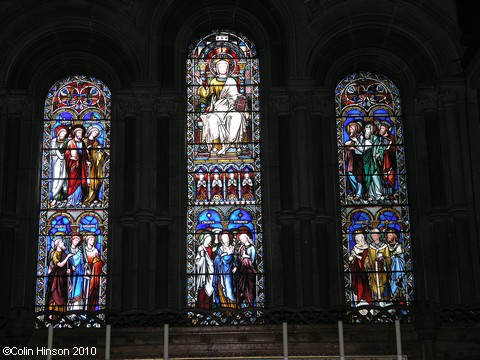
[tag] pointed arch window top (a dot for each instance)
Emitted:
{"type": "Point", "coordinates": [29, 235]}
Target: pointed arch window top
{"type": "Point", "coordinates": [365, 90]}
{"type": "Point", "coordinates": [222, 43]}
{"type": "Point", "coordinates": [78, 97]}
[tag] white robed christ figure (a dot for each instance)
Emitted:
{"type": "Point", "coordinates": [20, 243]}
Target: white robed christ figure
{"type": "Point", "coordinates": [223, 122]}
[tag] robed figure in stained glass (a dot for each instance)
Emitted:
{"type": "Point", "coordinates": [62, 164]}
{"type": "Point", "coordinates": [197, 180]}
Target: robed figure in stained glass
{"type": "Point", "coordinates": [201, 188]}
{"type": "Point", "coordinates": [77, 266]}
{"type": "Point", "coordinates": [246, 269]}
{"type": "Point", "coordinates": [204, 270]}
{"type": "Point", "coordinates": [354, 160]}
{"type": "Point", "coordinates": [359, 275]}
{"type": "Point", "coordinates": [225, 267]}
{"type": "Point", "coordinates": [216, 185]}
{"type": "Point", "coordinates": [96, 158]}
{"type": "Point", "coordinates": [247, 187]}
{"type": "Point", "coordinates": [223, 123]}
{"type": "Point", "coordinates": [58, 276]}
{"type": "Point", "coordinates": [232, 187]}
{"type": "Point", "coordinates": [389, 166]}
{"type": "Point", "coordinates": [94, 271]}
{"type": "Point", "coordinates": [372, 152]}
{"type": "Point", "coordinates": [397, 266]}
{"type": "Point", "coordinates": [59, 171]}
{"type": "Point", "coordinates": [378, 264]}
{"type": "Point", "coordinates": [76, 158]}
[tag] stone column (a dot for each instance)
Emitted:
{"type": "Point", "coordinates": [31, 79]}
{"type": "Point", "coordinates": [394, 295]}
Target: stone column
{"type": "Point", "coordinates": [305, 217]}
{"type": "Point", "coordinates": [166, 110]}
{"type": "Point", "coordinates": [3, 140]}
{"type": "Point", "coordinates": [287, 233]}
{"type": "Point", "coordinates": [285, 218]}
{"type": "Point", "coordinates": [145, 218]}
{"type": "Point", "coordinates": [124, 264]}
{"type": "Point", "coordinates": [458, 212]}
{"type": "Point", "coordinates": [300, 102]}
{"type": "Point", "coordinates": [326, 244]}
{"type": "Point", "coordinates": [430, 165]}
{"type": "Point", "coordinates": [8, 225]}
{"type": "Point", "coordinates": [11, 219]}
{"type": "Point", "coordinates": [323, 256]}
{"type": "Point", "coordinates": [451, 121]}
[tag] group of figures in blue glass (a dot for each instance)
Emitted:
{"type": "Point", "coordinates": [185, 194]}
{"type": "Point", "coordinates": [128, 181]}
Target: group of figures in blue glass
{"type": "Point", "coordinates": [370, 158]}
{"type": "Point", "coordinates": [225, 262]}
{"type": "Point", "coordinates": [77, 165]}
{"type": "Point", "coordinates": [74, 264]}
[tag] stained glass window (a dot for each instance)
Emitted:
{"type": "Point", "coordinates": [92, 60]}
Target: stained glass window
{"type": "Point", "coordinates": [373, 192]}
{"type": "Point", "coordinates": [224, 217]}
{"type": "Point", "coordinates": [73, 231]}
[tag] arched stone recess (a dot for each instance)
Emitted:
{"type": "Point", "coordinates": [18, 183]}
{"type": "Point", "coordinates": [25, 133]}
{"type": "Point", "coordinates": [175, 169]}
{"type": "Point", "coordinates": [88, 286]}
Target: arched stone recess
{"type": "Point", "coordinates": [268, 25]}
{"type": "Point", "coordinates": [399, 27]}
{"type": "Point", "coordinates": [172, 32]}
{"type": "Point", "coordinates": [88, 47]}
{"type": "Point", "coordinates": [33, 69]}
{"type": "Point", "coordinates": [64, 30]}
{"type": "Point", "coordinates": [424, 66]}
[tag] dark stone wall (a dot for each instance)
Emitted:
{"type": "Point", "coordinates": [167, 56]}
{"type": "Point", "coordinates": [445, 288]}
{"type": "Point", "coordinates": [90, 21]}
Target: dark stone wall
{"type": "Point", "coordinates": [138, 49]}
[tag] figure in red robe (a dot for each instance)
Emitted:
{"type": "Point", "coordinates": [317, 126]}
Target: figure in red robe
{"type": "Point", "coordinates": [76, 160]}
{"type": "Point", "coordinates": [246, 271]}
{"type": "Point", "coordinates": [389, 161]}
{"type": "Point", "coordinates": [247, 187]}
{"type": "Point", "coordinates": [216, 188]}
{"type": "Point", "coordinates": [201, 185]}
{"type": "Point", "coordinates": [204, 271]}
{"type": "Point", "coordinates": [232, 188]}
{"type": "Point", "coordinates": [94, 270]}
{"type": "Point", "coordinates": [360, 284]}
{"type": "Point", "coordinates": [57, 288]}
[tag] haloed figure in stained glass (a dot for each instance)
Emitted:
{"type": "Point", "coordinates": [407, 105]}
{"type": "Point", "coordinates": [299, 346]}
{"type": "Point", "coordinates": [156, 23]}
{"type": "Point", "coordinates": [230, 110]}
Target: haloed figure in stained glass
{"type": "Point", "coordinates": [58, 276]}
{"type": "Point", "coordinates": [96, 159]}
{"type": "Point", "coordinates": [225, 267]}
{"type": "Point", "coordinates": [204, 269]}
{"type": "Point", "coordinates": [397, 266]}
{"type": "Point", "coordinates": [372, 163]}
{"type": "Point", "coordinates": [246, 270]}
{"type": "Point", "coordinates": [224, 123]}
{"type": "Point", "coordinates": [93, 270]}
{"type": "Point", "coordinates": [76, 158]}
{"type": "Point", "coordinates": [378, 264]}
{"type": "Point", "coordinates": [389, 165]}
{"type": "Point", "coordinates": [354, 160]}
{"type": "Point", "coordinates": [77, 266]}
{"type": "Point", "coordinates": [359, 275]}
{"type": "Point", "coordinates": [58, 169]}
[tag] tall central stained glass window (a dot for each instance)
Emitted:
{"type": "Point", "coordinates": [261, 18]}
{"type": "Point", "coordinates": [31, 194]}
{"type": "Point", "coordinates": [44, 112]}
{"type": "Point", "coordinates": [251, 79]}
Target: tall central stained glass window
{"type": "Point", "coordinates": [73, 231]}
{"type": "Point", "coordinates": [373, 192]}
{"type": "Point", "coordinates": [224, 215]}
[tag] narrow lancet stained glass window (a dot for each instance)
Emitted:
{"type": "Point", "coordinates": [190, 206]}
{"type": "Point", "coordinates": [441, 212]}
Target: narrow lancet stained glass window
{"type": "Point", "coordinates": [73, 231]}
{"type": "Point", "coordinates": [224, 220]}
{"type": "Point", "coordinates": [373, 192]}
